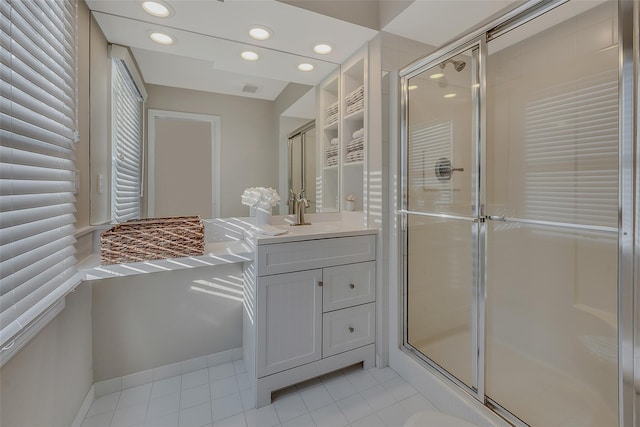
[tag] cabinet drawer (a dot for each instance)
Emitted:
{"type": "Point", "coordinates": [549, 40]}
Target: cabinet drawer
{"type": "Point", "coordinates": [348, 285]}
{"type": "Point", "coordinates": [296, 256]}
{"type": "Point", "coordinates": [346, 329]}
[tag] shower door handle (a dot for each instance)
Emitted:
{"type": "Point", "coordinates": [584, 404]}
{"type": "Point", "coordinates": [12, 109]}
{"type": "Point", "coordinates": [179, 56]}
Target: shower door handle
{"type": "Point", "coordinates": [496, 218]}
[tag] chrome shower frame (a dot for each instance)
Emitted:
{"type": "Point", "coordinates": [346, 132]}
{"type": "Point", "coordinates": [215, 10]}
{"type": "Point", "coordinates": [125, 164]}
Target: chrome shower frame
{"type": "Point", "coordinates": [629, 198]}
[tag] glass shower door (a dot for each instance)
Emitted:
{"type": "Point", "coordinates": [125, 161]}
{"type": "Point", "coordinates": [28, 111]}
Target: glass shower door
{"type": "Point", "coordinates": [441, 211]}
{"type": "Point", "coordinates": [552, 218]}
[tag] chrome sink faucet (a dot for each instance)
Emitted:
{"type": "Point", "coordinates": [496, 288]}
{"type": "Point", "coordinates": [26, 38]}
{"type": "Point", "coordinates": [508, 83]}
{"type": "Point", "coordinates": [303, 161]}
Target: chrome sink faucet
{"type": "Point", "coordinates": [301, 204]}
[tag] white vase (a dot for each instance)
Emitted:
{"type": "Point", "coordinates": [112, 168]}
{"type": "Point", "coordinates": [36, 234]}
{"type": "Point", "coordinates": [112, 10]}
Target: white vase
{"type": "Point", "coordinates": [263, 216]}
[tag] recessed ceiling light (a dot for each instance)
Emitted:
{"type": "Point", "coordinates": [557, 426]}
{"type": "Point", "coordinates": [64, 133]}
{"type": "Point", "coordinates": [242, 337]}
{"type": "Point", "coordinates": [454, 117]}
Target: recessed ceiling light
{"type": "Point", "coordinates": [156, 8]}
{"type": "Point", "coordinates": [323, 48]}
{"type": "Point", "coordinates": [413, 87]}
{"type": "Point", "coordinates": [259, 33]}
{"type": "Point", "coordinates": [436, 76]}
{"type": "Point", "coordinates": [450, 95]}
{"type": "Point", "coordinates": [161, 38]}
{"type": "Point", "coordinates": [249, 55]}
{"type": "Point", "coordinates": [305, 66]}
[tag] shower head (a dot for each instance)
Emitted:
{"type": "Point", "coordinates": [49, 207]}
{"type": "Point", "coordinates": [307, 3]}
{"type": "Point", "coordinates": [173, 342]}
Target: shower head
{"type": "Point", "coordinates": [457, 65]}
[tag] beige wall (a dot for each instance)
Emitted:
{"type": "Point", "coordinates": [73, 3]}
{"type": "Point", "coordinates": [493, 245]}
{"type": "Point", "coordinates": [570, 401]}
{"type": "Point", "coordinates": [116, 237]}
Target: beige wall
{"type": "Point", "coordinates": [143, 322]}
{"type": "Point", "coordinates": [248, 146]}
{"type": "Point", "coordinates": [45, 383]}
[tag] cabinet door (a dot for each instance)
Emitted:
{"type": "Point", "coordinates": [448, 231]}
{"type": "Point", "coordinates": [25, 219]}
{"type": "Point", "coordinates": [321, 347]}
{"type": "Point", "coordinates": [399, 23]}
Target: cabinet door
{"type": "Point", "coordinates": [289, 320]}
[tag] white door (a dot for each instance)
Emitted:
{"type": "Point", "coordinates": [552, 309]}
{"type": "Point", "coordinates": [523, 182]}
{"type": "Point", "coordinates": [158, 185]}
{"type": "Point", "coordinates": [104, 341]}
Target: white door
{"type": "Point", "coordinates": [289, 320]}
{"type": "Point", "coordinates": [182, 164]}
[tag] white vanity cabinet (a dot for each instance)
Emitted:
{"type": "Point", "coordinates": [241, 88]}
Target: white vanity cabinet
{"type": "Point", "coordinates": [309, 310]}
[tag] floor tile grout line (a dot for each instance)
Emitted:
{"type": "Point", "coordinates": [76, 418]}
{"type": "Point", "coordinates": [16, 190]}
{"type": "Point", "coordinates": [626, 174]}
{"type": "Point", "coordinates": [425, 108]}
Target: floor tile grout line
{"type": "Point", "coordinates": [296, 391]}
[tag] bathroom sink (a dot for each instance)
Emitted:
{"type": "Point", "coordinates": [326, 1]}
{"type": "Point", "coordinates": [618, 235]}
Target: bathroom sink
{"type": "Point", "coordinates": [309, 229]}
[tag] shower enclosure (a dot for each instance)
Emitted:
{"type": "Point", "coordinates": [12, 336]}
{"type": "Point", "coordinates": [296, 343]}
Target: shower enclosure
{"type": "Point", "coordinates": [514, 202]}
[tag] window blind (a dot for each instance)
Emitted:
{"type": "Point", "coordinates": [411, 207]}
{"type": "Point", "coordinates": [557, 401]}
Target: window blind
{"type": "Point", "coordinates": [428, 142]}
{"type": "Point", "coordinates": [127, 145]}
{"type": "Point", "coordinates": [571, 149]}
{"type": "Point", "coordinates": [37, 171]}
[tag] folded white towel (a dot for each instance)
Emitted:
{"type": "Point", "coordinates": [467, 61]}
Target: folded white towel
{"type": "Point", "coordinates": [355, 156]}
{"type": "Point", "coordinates": [267, 230]}
{"type": "Point", "coordinates": [334, 141]}
{"type": "Point", "coordinates": [355, 107]}
{"type": "Point", "coordinates": [355, 95]}
{"type": "Point", "coordinates": [332, 151]}
{"type": "Point", "coordinates": [357, 134]}
{"type": "Point", "coordinates": [355, 146]}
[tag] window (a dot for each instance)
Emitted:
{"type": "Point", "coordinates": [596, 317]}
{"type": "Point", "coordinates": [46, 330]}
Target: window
{"type": "Point", "coordinates": [127, 107]}
{"type": "Point", "coordinates": [37, 171]}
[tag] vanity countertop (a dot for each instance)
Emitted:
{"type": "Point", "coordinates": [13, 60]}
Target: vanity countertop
{"type": "Point", "coordinates": [227, 241]}
{"type": "Point", "coordinates": [215, 253]}
{"type": "Point", "coordinates": [317, 230]}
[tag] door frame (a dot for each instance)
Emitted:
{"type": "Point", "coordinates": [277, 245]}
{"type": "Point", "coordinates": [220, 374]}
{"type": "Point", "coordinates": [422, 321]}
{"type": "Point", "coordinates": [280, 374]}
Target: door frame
{"type": "Point", "coordinates": [478, 48]}
{"type": "Point", "coordinates": [214, 123]}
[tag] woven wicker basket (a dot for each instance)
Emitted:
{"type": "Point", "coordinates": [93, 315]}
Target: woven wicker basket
{"type": "Point", "coordinates": [154, 238]}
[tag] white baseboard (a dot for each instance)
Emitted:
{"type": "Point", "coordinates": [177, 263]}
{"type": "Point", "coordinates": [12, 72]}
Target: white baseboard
{"type": "Point", "coordinates": [84, 409]}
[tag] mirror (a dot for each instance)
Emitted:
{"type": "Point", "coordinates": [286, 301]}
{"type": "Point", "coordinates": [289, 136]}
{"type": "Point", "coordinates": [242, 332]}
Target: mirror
{"type": "Point", "coordinates": [202, 73]}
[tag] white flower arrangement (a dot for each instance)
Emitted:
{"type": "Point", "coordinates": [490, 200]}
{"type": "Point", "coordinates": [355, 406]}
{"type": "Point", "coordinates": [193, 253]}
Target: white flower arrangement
{"type": "Point", "coordinates": [260, 197]}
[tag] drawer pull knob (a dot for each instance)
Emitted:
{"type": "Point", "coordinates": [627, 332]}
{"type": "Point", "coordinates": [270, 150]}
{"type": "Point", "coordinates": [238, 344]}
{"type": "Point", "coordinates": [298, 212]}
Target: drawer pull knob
{"type": "Point", "coordinates": [352, 286]}
{"type": "Point", "coordinates": [351, 329]}
{"type": "Point", "coordinates": [320, 283]}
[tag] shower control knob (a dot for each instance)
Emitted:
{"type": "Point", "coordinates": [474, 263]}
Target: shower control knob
{"type": "Point", "coordinates": [351, 329]}
{"type": "Point", "coordinates": [444, 169]}
{"type": "Point", "coordinates": [352, 286]}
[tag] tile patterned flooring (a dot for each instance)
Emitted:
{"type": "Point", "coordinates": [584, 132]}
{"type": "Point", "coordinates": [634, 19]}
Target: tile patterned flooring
{"type": "Point", "coordinates": [219, 397]}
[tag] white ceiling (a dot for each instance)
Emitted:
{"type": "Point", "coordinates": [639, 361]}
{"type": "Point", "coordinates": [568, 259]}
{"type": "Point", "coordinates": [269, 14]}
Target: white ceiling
{"type": "Point", "coordinates": [436, 22]}
{"type": "Point", "coordinates": [211, 34]}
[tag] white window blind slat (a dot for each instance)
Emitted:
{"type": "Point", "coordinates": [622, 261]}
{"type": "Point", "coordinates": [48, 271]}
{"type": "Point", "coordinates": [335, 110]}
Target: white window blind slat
{"type": "Point", "coordinates": [127, 147]}
{"type": "Point", "coordinates": [22, 128]}
{"type": "Point", "coordinates": [37, 170]}
{"type": "Point", "coordinates": [17, 202]}
{"type": "Point", "coordinates": [32, 237]}
{"type": "Point", "coordinates": [53, 272]}
{"type": "Point", "coordinates": [35, 173]}
{"type": "Point", "coordinates": [24, 282]}
{"type": "Point", "coordinates": [29, 158]}
{"type": "Point", "coordinates": [36, 307]}
{"type": "Point", "coordinates": [22, 92]}
{"type": "Point", "coordinates": [40, 70]}
{"type": "Point", "coordinates": [34, 145]}
{"type": "Point", "coordinates": [41, 36]}
{"type": "Point", "coordinates": [24, 216]}
{"type": "Point", "coordinates": [35, 187]}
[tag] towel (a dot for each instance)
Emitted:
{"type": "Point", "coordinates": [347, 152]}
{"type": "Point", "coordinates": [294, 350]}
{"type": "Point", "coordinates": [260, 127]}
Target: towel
{"type": "Point", "coordinates": [334, 141]}
{"type": "Point", "coordinates": [357, 134]}
{"type": "Point", "coordinates": [353, 108]}
{"type": "Point", "coordinates": [355, 96]}
{"type": "Point", "coordinates": [355, 146]}
{"type": "Point", "coordinates": [355, 156]}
